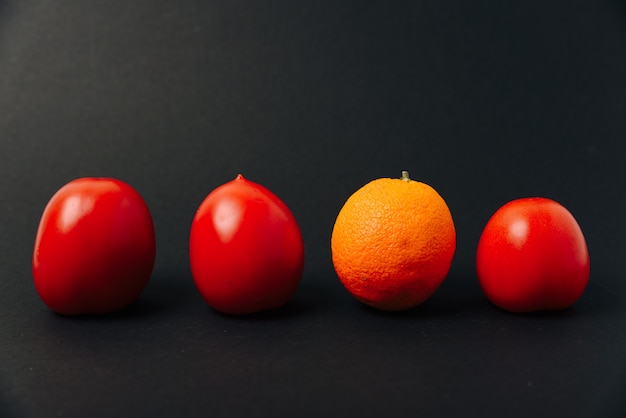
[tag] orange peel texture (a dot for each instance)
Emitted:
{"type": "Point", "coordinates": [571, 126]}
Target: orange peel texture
{"type": "Point", "coordinates": [393, 243]}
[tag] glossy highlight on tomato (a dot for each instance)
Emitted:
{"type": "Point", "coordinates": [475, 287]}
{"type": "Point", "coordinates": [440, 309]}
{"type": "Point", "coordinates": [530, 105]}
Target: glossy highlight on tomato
{"type": "Point", "coordinates": [532, 256]}
{"type": "Point", "coordinates": [245, 248]}
{"type": "Point", "coordinates": [95, 247]}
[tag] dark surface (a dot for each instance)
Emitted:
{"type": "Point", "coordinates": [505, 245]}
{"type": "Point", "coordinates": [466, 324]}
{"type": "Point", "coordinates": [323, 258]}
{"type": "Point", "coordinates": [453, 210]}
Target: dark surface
{"type": "Point", "coordinates": [486, 101]}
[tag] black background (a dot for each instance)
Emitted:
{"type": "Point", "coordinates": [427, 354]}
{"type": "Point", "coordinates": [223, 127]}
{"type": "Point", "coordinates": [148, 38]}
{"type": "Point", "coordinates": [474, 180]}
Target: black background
{"type": "Point", "coordinates": [487, 101]}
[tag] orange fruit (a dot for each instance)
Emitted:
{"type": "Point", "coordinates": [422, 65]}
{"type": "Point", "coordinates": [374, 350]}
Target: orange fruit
{"type": "Point", "coordinates": [393, 242]}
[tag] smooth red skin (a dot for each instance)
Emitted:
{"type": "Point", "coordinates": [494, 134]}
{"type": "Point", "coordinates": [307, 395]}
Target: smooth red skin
{"type": "Point", "coordinates": [245, 248]}
{"type": "Point", "coordinates": [95, 247]}
{"type": "Point", "coordinates": [532, 256]}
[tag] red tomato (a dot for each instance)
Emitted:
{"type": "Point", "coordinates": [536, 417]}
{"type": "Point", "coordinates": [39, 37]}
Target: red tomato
{"type": "Point", "coordinates": [532, 256]}
{"type": "Point", "coordinates": [245, 249]}
{"type": "Point", "coordinates": [95, 247]}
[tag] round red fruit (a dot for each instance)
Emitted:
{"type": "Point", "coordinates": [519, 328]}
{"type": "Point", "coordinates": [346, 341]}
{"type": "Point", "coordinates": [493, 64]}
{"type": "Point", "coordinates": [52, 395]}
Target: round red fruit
{"type": "Point", "coordinates": [532, 256]}
{"type": "Point", "coordinates": [95, 247]}
{"type": "Point", "coordinates": [245, 248]}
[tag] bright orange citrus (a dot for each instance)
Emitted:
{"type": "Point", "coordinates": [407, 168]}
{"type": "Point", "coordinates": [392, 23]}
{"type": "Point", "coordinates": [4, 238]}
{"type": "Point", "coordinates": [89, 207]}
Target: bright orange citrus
{"type": "Point", "coordinates": [393, 243]}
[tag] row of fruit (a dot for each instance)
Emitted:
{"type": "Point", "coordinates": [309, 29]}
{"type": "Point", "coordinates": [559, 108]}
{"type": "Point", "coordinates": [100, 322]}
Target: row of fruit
{"type": "Point", "coordinates": [392, 246]}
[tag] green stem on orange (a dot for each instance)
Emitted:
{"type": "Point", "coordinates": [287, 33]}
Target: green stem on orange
{"type": "Point", "coordinates": [405, 176]}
